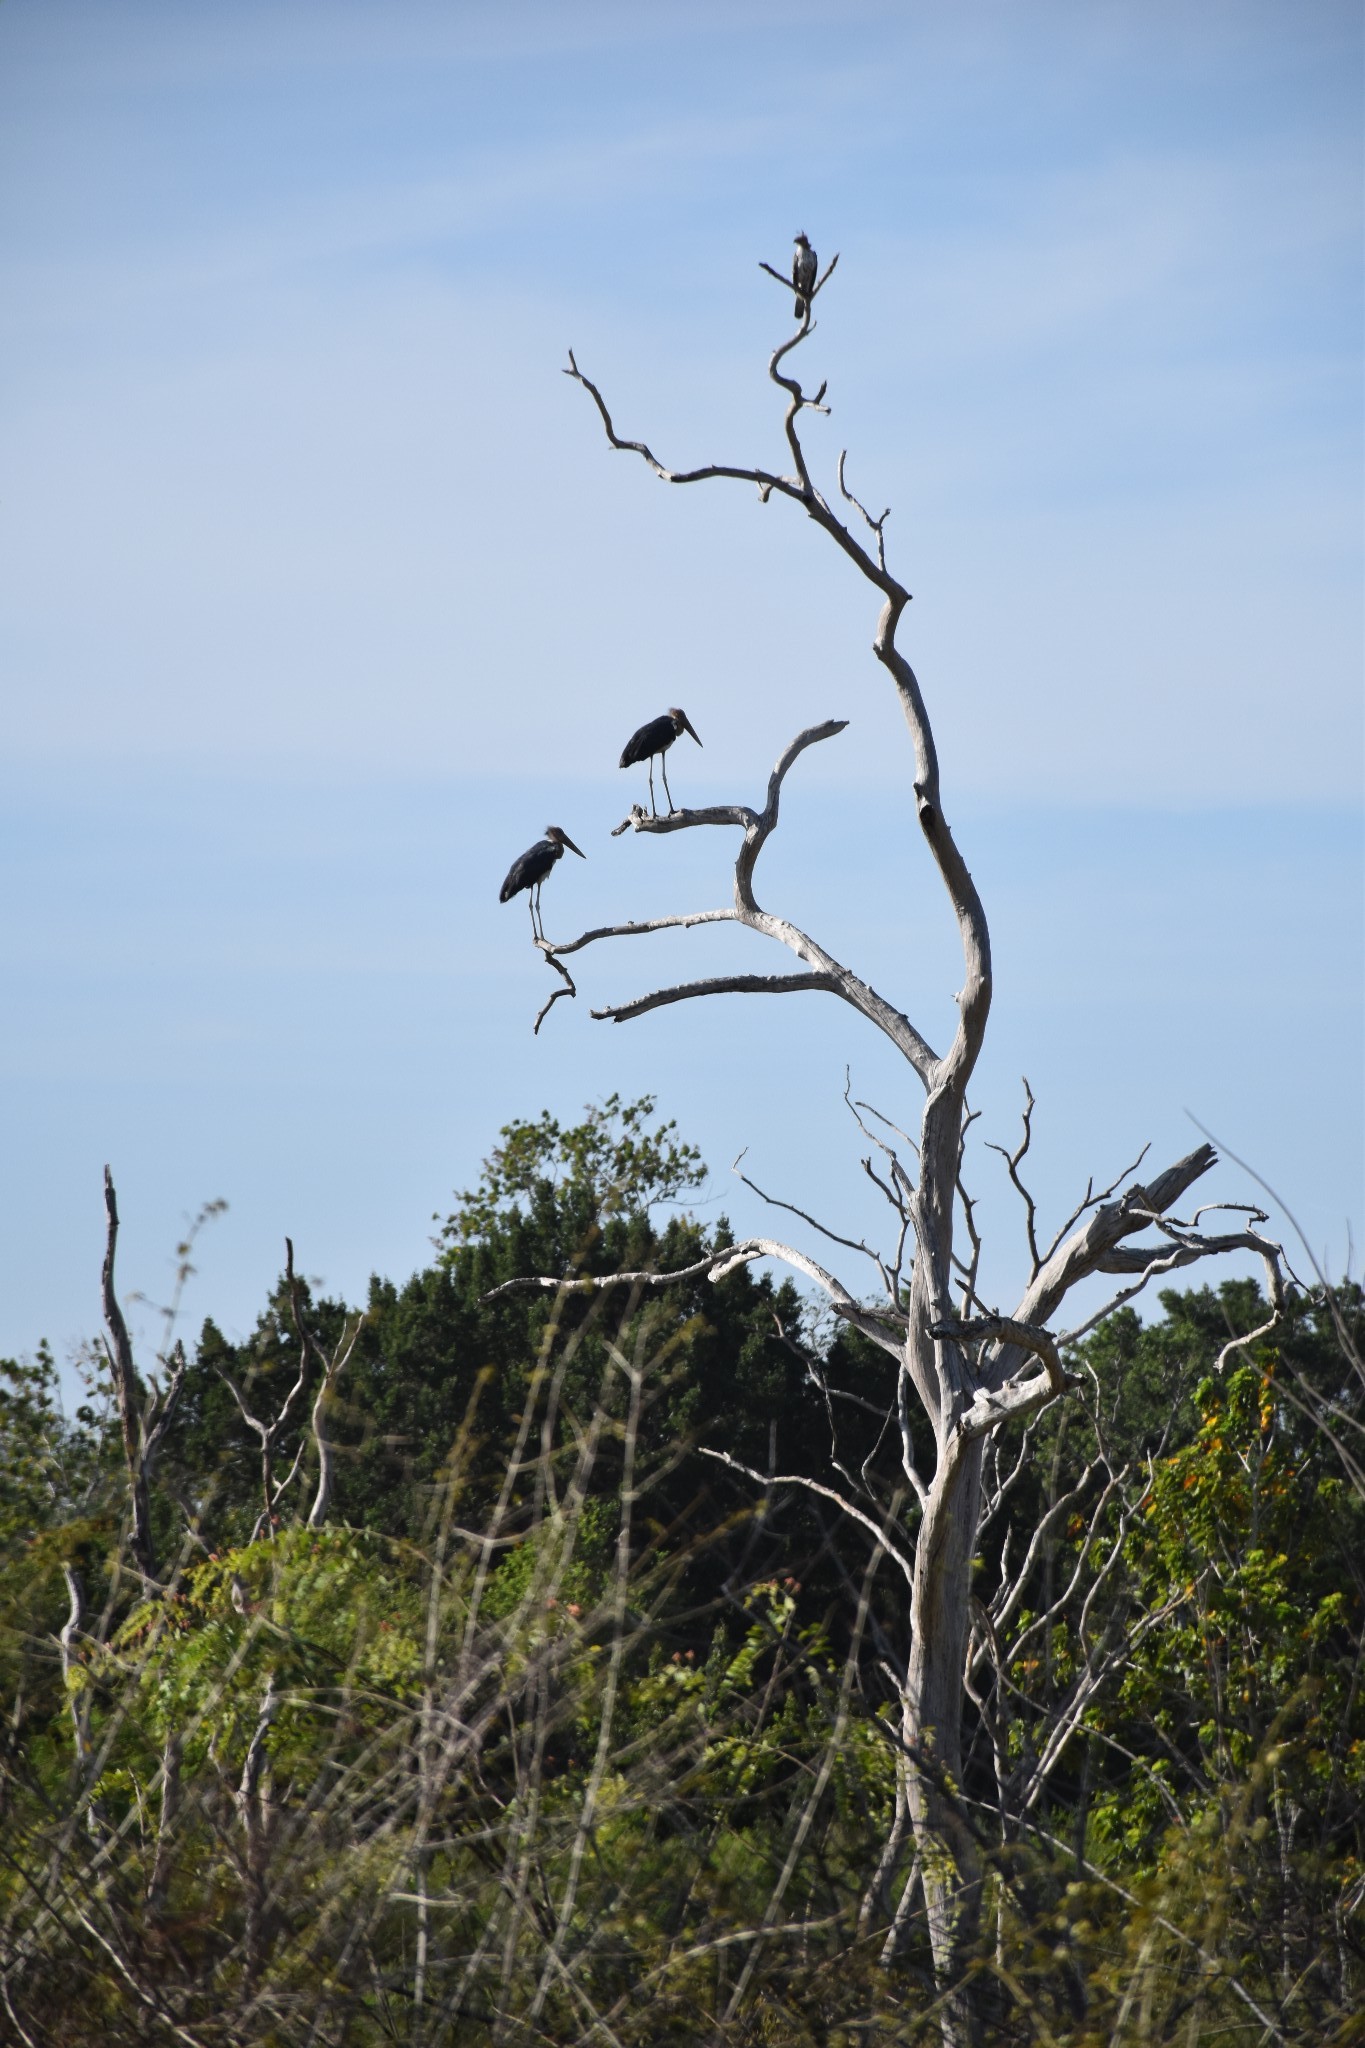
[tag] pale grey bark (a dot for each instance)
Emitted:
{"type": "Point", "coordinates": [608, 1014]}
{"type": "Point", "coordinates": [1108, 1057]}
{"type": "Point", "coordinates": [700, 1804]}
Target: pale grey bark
{"type": "Point", "coordinates": [330, 1368]}
{"type": "Point", "coordinates": [267, 1434]}
{"type": "Point", "coordinates": [77, 1697]}
{"type": "Point", "coordinates": [257, 1813]}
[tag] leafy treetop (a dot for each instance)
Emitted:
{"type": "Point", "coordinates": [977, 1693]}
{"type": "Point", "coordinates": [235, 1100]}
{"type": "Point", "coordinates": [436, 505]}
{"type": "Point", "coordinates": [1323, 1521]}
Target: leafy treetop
{"type": "Point", "coordinates": [612, 1163]}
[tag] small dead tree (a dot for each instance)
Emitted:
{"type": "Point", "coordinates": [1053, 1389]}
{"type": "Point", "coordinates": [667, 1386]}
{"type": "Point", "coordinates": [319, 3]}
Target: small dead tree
{"type": "Point", "coordinates": [145, 1412]}
{"type": "Point", "coordinates": [968, 1369]}
{"type": "Point", "coordinates": [330, 1368]}
{"type": "Point", "coordinates": [268, 1434]}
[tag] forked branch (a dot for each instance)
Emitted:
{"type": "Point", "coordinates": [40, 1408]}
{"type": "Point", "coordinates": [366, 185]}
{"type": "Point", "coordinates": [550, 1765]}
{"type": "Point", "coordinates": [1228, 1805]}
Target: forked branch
{"type": "Point", "coordinates": [999, 1403]}
{"type": "Point", "coordinates": [799, 292]}
{"type": "Point", "coordinates": [331, 1368]}
{"type": "Point", "coordinates": [823, 972]}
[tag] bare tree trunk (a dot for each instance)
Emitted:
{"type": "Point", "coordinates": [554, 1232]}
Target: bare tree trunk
{"type": "Point", "coordinates": [331, 1370]}
{"type": "Point", "coordinates": [255, 1808]}
{"type": "Point", "coordinates": [322, 1499]}
{"type": "Point", "coordinates": [159, 1880]}
{"type": "Point", "coordinates": [129, 1396]}
{"type": "Point", "coordinates": [144, 1415]}
{"type": "Point", "coordinates": [950, 1862]}
{"type": "Point", "coordinates": [75, 1593]}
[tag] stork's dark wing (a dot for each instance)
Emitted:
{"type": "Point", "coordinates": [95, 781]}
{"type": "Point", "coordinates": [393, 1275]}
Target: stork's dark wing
{"type": "Point", "coordinates": [654, 738]}
{"type": "Point", "coordinates": [528, 869]}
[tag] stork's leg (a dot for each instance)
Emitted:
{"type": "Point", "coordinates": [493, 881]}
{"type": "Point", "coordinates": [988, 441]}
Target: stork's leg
{"type": "Point", "coordinates": [663, 769]}
{"type": "Point", "coordinates": [533, 899]}
{"type": "Point", "coordinates": [652, 811]}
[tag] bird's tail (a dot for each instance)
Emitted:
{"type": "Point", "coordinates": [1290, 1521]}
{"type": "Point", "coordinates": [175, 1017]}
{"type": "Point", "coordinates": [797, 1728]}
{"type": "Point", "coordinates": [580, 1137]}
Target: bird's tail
{"type": "Point", "coordinates": [800, 309]}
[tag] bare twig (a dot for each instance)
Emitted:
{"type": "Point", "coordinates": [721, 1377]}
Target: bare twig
{"type": "Point", "coordinates": [878, 526]}
{"type": "Point", "coordinates": [767, 1480]}
{"type": "Point", "coordinates": [1013, 1161]}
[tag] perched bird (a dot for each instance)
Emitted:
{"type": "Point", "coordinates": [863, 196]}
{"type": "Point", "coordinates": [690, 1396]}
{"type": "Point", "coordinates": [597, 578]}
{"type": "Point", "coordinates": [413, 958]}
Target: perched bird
{"type": "Point", "coordinates": [656, 738]}
{"type": "Point", "coordinates": [803, 274]}
{"type": "Point", "coordinates": [238, 1594]}
{"type": "Point", "coordinates": [531, 868]}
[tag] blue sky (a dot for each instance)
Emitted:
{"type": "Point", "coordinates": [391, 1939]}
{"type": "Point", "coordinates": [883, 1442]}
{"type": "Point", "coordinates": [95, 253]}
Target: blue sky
{"type": "Point", "coordinates": [323, 593]}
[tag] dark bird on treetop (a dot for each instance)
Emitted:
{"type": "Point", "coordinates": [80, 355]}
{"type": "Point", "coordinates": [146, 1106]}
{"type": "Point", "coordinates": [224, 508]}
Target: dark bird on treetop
{"type": "Point", "coordinates": [531, 868]}
{"type": "Point", "coordinates": [803, 274]}
{"type": "Point", "coordinates": [656, 738]}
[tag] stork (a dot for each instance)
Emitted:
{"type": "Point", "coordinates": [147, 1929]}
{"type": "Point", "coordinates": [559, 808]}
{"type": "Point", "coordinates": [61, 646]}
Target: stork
{"type": "Point", "coordinates": [529, 870]}
{"type": "Point", "coordinates": [656, 738]}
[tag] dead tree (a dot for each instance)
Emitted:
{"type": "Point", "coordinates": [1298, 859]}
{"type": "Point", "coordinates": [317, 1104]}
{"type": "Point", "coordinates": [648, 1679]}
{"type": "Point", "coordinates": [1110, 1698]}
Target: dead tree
{"type": "Point", "coordinates": [268, 1433]}
{"type": "Point", "coordinates": [330, 1368]}
{"type": "Point", "coordinates": [967, 1368]}
{"type": "Point", "coordinates": [145, 1412]}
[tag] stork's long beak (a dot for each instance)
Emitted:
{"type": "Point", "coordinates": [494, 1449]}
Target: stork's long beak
{"type": "Point", "coordinates": [572, 848]}
{"type": "Point", "coordinates": [691, 728]}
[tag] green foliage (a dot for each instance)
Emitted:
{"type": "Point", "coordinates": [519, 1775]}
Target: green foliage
{"type": "Point", "coordinates": [331, 1614]}
{"type": "Point", "coordinates": [592, 1753]}
{"type": "Point", "coordinates": [609, 1165]}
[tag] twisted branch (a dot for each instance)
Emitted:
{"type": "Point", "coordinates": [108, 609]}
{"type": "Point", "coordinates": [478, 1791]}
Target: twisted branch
{"type": "Point", "coordinates": [994, 1405]}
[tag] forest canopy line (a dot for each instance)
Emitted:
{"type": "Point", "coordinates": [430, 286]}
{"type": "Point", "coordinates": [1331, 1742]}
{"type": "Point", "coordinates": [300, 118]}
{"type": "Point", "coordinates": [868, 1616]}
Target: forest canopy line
{"type": "Point", "coordinates": [235, 1811]}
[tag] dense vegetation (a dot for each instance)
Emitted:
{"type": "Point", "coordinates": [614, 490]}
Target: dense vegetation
{"type": "Point", "coordinates": [542, 1725]}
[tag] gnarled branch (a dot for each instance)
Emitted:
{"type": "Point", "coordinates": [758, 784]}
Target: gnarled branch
{"type": "Point", "coordinates": [993, 1405]}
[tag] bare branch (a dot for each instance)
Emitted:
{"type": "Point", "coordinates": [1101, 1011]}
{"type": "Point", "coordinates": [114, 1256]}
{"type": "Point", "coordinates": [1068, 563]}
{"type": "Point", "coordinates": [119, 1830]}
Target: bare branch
{"type": "Point", "coordinates": [758, 826]}
{"type": "Point", "coordinates": [775, 1202]}
{"type": "Point", "coordinates": [681, 922]}
{"type": "Point", "coordinates": [719, 985]}
{"type": "Point", "coordinates": [993, 1405]}
{"type": "Point", "coordinates": [800, 487]}
{"type": "Point", "coordinates": [877, 525]}
{"type": "Point", "coordinates": [1343, 1334]}
{"type": "Point", "coordinates": [638, 819]}
{"type": "Point", "coordinates": [1012, 1162]}
{"type": "Point", "coordinates": [1091, 1200]}
{"type": "Point", "coordinates": [728, 1257]}
{"type": "Point", "coordinates": [1011, 1590]}
{"type": "Point", "coordinates": [789, 486]}
{"type": "Point", "coordinates": [968, 1269]}
{"type": "Point", "coordinates": [999, 1490]}
{"type": "Point", "coordinates": [815, 289]}
{"type": "Point", "coordinates": [568, 989]}
{"type": "Point", "coordinates": [1150, 1262]}
{"type": "Point", "coordinates": [882, 1326]}
{"type": "Point", "coordinates": [1198, 1246]}
{"type": "Point", "coordinates": [331, 1369]}
{"type": "Point", "coordinates": [1111, 1222]}
{"type": "Point", "coordinates": [767, 1480]}
{"type": "Point", "coordinates": [272, 1490]}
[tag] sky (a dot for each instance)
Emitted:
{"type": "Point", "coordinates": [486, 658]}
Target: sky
{"type": "Point", "coordinates": [323, 594]}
